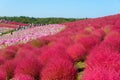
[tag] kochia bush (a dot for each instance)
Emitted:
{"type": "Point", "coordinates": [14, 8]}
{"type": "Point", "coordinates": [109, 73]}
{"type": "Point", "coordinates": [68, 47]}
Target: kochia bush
{"type": "Point", "coordinates": [59, 69]}
{"type": "Point", "coordinates": [28, 66]}
{"type": "Point", "coordinates": [23, 77]}
{"type": "Point", "coordinates": [76, 51]}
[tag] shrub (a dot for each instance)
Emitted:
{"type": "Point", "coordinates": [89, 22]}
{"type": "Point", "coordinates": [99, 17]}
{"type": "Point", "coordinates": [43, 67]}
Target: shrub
{"type": "Point", "coordinates": [28, 66]}
{"type": "Point", "coordinates": [101, 73]}
{"type": "Point", "coordinates": [8, 54]}
{"type": "Point", "coordinates": [3, 75]}
{"type": "Point", "coordinates": [8, 67]}
{"type": "Point", "coordinates": [59, 69]}
{"type": "Point", "coordinates": [52, 53]}
{"type": "Point", "coordinates": [76, 52]}
{"type": "Point", "coordinates": [22, 77]}
{"type": "Point", "coordinates": [113, 39]}
{"type": "Point", "coordinates": [2, 60]}
{"type": "Point", "coordinates": [99, 33]}
{"type": "Point", "coordinates": [104, 56]}
{"type": "Point", "coordinates": [89, 42]}
{"type": "Point", "coordinates": [25, 52]}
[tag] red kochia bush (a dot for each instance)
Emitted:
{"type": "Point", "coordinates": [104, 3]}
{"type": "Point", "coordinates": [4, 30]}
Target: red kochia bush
{"type": "Point", "coordinates": [59, 69]}
{"type": "Point", "coordinates": [9, 52]}
{"type": "Point", "coordinates": [89, 42]}
{"type": "Point", "coordinates": [101, 73]}
{"type": "Point", "coordinates": [76, 51]}
{"type": "Point", "coordinates": [65, 40]}
{"type": "Point", "coordinates": [27, 51]}
{"type": "Point", "coordinates": [52, 53]}
{"type": "Point", "coordinates": [3, 75]}
{"type": "Point", "coordinates": [56, 50]}
{"type": "Point", "coordinates": [99, 33]}
{"type": "Point", "coordinates": [113, 39]}
{"type": "Point", "coordinates": [2, 60]}
{"type": "Point", "coordinates": [13, 48]}
{"type": "Point", "coordinates": [24, 53]}
{"type": "Point", "coordinates": [78, 36]}
{"type": "Point", "coordinates": [22, 77]}
{"type": "Point", "coordinates": [28, 66]}
{"type": "Point", "coordinates": [104, 55]}
{"type": "Point", "coordinates": [8, 67]}
{"type": "Point", "coordinates": [89, 29]}
{"type": "Point", "coordinates": [59, 45]}
{"type": "Point", "coordinates": [103, 63]}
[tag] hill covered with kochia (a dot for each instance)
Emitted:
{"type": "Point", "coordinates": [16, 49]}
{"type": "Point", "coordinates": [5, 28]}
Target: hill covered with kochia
{"type": "Point", "coordinates": [84, 50]}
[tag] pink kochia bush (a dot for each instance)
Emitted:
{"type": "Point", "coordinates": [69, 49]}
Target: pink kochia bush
{"type": "Point", "coordinates": [8, 53]}
{"type": "Point", "coordinates": [52, 52]}
{"type": "Point", "coordinates": [28, 66]}
{"type": "Point", "coordinates": [103, 61]}
{"type": "Point", "coordinates": [113, 39]}
{"type": "Point", "coordinates": [59, 69]}
{"type": "Point", "coordinates": [3, 75]}
{"type": "Point", "coordinates": [89, 41]}
{"type": "Point", "coordinates": [101, 73]}
{"type": "Point", "coordinates": [2, 60]}
{"type": "Point", "coordinates": [22, 77]}
{"type": "Point", "coordinates": [65, 40]}
{"type": "Point", "coordinates": [9, 68]}
{"type": "Point", "coordinates": [76, 51]}
{"type": "Point", "coordinates": [105, 56]}
{"type": "Point", "coordinates": [99, 33]}
{"type": "Point", "coordinates": [25, 52]}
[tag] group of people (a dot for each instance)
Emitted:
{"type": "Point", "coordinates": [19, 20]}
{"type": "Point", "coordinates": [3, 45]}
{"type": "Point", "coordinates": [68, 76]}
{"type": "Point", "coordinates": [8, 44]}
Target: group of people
{"type": "Point", "coordinates": [21, 27]}
{"type": "Point", "coordinates": [26, 27]}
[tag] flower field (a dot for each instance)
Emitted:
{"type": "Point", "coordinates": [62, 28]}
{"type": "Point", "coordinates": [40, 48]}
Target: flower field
{"type": "Point", "coordinates": [23, 36]}
{"type": "Point", "coordinates": [82, 50]}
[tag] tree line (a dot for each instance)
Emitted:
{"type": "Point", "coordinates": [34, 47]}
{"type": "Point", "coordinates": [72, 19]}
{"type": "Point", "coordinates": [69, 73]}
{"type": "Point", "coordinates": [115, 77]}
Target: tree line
{"type": "Point", "coordinates": [52, 20]}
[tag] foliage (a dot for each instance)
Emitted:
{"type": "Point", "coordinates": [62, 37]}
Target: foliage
{"type": "Point", "coordinates": [51, 20]}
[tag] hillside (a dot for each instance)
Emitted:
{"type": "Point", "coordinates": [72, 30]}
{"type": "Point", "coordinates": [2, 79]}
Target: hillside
{"type": "Point", "coordinates": [81, 50]}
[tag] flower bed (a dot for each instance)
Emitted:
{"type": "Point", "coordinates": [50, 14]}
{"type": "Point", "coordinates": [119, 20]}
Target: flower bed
{"type": "Point", "coordinates": [23, 36]}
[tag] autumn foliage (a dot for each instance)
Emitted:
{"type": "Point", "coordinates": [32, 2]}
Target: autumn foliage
{"type": "Point", "coordinates": [95, 42]}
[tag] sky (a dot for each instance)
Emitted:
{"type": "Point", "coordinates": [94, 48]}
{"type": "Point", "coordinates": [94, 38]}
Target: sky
{"type": "Point", "coordinates": [59, 8]}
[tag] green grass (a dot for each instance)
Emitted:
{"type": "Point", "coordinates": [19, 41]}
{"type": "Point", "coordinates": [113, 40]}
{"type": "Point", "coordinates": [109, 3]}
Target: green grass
{"type": "Point", "coordinates": [80, 74]}
{"type": "Point", "coordinates": [80, 65]}
{"type": "Point", "coordinates": [7, 32]}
